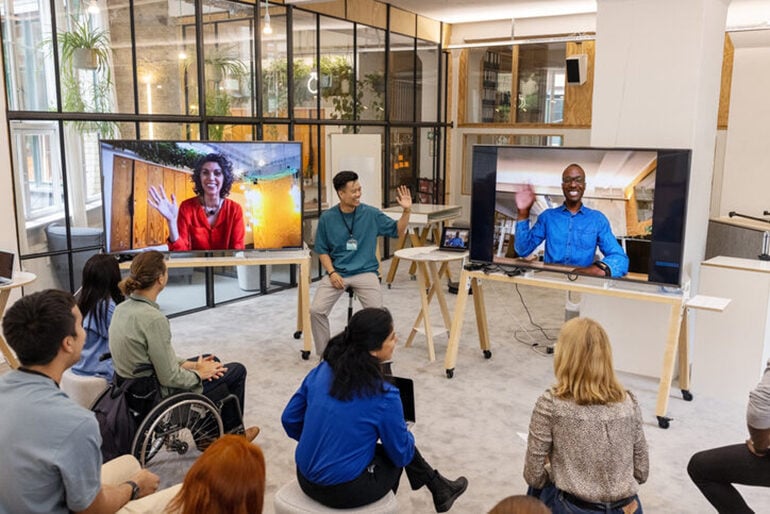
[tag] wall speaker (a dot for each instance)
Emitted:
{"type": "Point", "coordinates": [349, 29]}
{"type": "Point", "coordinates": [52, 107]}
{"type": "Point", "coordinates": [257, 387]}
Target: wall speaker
{"type": "Point", "coordinates": [577, 69]}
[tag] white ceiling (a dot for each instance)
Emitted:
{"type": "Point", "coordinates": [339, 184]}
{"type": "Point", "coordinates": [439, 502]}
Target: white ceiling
{"type": "Point", "coordinates": [741, 13]}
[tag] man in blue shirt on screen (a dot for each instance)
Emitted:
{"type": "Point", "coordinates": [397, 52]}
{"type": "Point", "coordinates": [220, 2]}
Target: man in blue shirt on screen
{"type": "Point", "coordinates": [572, 231]}
{"type": "Point", "coordinates": [346, 243]}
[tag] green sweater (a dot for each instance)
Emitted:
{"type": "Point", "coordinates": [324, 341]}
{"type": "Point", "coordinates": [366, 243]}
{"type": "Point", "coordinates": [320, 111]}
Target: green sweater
{"type": "Point", "coordinates": [141, 334]}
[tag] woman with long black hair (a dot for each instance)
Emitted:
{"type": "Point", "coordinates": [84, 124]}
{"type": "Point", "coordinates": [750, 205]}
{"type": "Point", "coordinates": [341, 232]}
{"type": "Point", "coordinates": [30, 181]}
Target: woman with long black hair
{"type": "Point", "coordinates": [341, 410]}
{"type": "Point", "coordinates": [97, 299]}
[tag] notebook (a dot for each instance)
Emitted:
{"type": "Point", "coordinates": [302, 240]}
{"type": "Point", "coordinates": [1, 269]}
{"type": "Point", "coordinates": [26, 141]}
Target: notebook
{"type": "Point", "coordinates": [455, 239]}
{"type": "Point", "coordinates": [6, 267]}
{"type": "Point", "coordinates": [406, 390]}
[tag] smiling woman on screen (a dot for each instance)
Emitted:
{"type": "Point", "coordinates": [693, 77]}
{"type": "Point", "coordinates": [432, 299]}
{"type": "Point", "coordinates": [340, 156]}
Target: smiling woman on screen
{"type": "Point", "coordinates": [208, 221]}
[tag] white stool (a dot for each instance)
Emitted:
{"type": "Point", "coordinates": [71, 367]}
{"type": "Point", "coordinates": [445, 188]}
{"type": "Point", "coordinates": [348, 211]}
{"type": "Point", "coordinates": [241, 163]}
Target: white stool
{"type": "Point", "coordinates": [291, 500]}
{"type": "Point", "coordinates": [83, 390]}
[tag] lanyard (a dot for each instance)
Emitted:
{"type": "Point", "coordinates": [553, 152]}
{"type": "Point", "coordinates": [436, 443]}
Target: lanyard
{"type": "Point", "coordinates": [352, 223]}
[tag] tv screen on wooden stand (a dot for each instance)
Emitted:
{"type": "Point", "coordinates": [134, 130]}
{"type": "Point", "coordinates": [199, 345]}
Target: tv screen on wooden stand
{"type": "Point", "coordinates": [197, 196]}
{"type": "Point", "coordinates": [641, 192]}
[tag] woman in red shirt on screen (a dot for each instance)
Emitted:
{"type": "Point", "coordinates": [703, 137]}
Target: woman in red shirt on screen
{"type": "Point", "coordinates": [208, 221]}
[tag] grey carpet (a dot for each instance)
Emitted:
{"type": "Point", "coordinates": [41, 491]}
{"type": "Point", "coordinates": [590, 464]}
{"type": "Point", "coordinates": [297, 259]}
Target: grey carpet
{"type": "Point", "coordinates": [473, 424]}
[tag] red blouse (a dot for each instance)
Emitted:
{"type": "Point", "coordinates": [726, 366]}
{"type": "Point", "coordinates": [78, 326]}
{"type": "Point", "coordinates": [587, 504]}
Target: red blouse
{"type": "Point", "coordinates": [195, 232]}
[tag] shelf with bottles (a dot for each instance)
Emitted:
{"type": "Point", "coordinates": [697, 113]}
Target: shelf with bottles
{"type": "Point", "coordinates": [489, 82]}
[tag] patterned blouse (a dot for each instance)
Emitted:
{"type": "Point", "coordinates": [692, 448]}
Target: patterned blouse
{"type": "Point", "coordinates": [595, 452]}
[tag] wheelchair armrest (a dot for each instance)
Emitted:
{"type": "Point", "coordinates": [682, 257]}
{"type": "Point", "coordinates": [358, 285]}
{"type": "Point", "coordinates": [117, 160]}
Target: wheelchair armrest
{"type": "Point", "coordinates": [143, 367]}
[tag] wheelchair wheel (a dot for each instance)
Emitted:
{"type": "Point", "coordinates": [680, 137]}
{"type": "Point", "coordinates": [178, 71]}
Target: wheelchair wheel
{"type": "Point", "coordinates": [175, 433]}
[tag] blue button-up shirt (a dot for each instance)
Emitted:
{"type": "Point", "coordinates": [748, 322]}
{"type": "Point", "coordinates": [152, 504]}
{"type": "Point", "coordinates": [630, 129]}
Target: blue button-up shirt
{"type": "Point", "coordinates": [572, 239]}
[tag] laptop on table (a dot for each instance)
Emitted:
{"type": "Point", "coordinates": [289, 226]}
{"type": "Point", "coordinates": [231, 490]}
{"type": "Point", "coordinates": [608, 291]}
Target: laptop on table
{"type": "Point", "coordinates": [455, 239]}
{"type": "Point", "coordinates": [6, 267]}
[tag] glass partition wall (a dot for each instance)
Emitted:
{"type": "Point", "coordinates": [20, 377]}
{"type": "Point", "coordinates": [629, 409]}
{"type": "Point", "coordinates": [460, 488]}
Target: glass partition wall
{"type": "Point", "coordinates": [80, 71]}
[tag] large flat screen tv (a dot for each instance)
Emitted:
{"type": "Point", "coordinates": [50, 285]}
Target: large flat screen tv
{"type": "Point", "coordinates": [144, 183]}
{"type": "Point", "coordinates": [642, 192]}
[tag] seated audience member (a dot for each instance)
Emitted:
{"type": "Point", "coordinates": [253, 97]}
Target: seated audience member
{"type": "Point", "coordinates": [341, 410]}
{"type": "Point", "coordinates": [572, 231]}
{"type": "Point", "coordinates": [520, 504]}
{"type": "Point", "coordinates": [51, 458]}
{"type": "Point", "coordinates": [714, 471]}
{"type": "Point", "coordinates": [97, 300]}
{"type": "Point", "coordinates": [229, 478]}
{"type": "Point", "coordinates": [346, 244]}
{"type": "Point", "coordinates": [586, 422]}
{"type": "Point", "coordinates": [141, 334]}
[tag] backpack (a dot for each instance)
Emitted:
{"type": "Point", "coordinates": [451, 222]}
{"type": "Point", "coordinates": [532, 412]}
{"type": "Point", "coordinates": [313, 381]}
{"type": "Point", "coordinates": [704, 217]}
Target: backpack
{"type": "Point", "coordinates": [120, 409]}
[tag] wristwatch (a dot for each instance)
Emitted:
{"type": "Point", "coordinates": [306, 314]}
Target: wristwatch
{"type": "Point", "coordinates": [602, 266]}
{"type": "Point", "coordinates": [134, 489]}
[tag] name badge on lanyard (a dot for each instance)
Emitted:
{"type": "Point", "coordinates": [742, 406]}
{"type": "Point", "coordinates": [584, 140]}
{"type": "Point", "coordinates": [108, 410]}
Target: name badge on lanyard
{"type": "Point", "coordinates": [351, 245]}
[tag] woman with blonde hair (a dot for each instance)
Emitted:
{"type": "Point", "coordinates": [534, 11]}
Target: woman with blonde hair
{"type": "Point", "coordinates": [229, 478]}
{"type": "Point", "coordinates": [586, 450]}
{"type": "Point", "coordinates": [141, 334]}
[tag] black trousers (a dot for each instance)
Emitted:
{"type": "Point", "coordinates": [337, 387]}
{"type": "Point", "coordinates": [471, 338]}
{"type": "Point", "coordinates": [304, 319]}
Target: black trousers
{"type": "Point", "coordinates": [714, 471]}
{"type": "Point", "coordinates": [232, 382]}
{"type": "Point", "coordinates": [379, 477]}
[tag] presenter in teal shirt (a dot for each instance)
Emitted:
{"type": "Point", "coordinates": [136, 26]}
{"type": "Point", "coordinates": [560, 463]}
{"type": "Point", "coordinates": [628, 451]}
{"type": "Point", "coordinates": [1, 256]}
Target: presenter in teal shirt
{"type": "Point", "coordinates": [346, 244]}
{"type": "Point", "coordinates": [572, 231]}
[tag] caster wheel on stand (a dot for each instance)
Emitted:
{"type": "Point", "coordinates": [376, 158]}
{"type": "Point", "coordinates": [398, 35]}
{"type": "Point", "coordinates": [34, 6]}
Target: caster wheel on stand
{"type": "Point", "coordinates": [305, 355]}
{"type": "Point", "coordinates": [663, 421]}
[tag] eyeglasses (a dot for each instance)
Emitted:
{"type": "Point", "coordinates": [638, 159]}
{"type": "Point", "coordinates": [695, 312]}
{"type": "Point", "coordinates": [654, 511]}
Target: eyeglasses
{"type": "Point", "coordinates": [570, 180]}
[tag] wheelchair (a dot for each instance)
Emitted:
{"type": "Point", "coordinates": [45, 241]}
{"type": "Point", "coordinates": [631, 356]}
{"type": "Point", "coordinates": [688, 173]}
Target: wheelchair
{"type": "Point", "coordinates": [170, 432]}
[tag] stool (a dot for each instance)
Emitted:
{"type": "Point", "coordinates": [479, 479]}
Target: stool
{"type": "Point", "coordinates": [351, 293]}
{"type": "Point", "coordinates": [82, 389]}
{"type": "Point", "coordinates": [290, 499]}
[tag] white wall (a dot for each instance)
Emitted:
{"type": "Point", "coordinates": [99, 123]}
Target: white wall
{"type": "Point", "coordinates": [660, 91]}
{"type": "Point", "coordinates": [747, 152]}
{"type": "Point", "coordinates": [8, 240]}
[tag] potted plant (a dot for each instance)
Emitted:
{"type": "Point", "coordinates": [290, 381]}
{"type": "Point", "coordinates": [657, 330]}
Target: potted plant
{"type": "Point", "coordinates": [86, 76]}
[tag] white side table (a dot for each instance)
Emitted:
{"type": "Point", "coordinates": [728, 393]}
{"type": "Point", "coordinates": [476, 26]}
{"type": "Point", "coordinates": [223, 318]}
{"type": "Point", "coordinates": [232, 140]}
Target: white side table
{"type": "Point", "coordinates": [427, 259]}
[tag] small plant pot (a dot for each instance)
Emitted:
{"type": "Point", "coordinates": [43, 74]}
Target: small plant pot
{"type": "Point", "coordinates": [85, 58]}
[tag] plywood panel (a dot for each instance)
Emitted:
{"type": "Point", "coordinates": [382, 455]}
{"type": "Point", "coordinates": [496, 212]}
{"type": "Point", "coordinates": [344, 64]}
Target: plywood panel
{"type": "Point", "coordinates": [578, 100]}
{"type": "Point", "coordinates": [428, 30]}
{"type": "Point", "coordinates": [141, 185]}
{"type": "Point", "coordinates": [156, 222]}
{"type": "Point", "coordinates": [120, 223]}
{"type": "Point", "coordinates": [403, 22]}
{"type": "Point", "coordinates": [462, 85]}
{"type": "Point", "coordinates": [335, 8]}
{"type": "Point", "coordinates": [368, 12]}
{"type": "Point", "coordinates": [727, 81]}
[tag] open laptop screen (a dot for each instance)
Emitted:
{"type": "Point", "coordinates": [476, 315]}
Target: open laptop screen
{"type": "Point", "coordinates": [6, 267]}
{"type": "Point", "coordinates": [455, 239]}
{"type": "Point", "coordinates": [406, 390]}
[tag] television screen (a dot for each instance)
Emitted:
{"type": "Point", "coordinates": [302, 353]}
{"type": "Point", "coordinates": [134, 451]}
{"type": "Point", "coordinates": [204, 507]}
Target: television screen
{"type": "Point", "coordinates": [201, 195]}
{"type": "Point", "coordinates": [642, 193]}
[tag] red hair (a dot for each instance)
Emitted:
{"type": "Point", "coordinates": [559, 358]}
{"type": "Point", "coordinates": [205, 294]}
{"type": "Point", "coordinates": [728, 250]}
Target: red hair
{"type": "Point", "coordinates": [229, 478]}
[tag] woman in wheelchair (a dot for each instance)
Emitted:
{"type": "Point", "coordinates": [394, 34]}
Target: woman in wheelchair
{"type": "Point", "coordinates": [140, 334]}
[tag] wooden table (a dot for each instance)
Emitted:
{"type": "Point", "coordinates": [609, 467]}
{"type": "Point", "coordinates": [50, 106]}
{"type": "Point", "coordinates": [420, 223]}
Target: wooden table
{"type": "Point", "coordinates": [265, 258]}
{"type": "Point", "coordinates": [424, 220]}
{"type": "Point", "coordinates": [20, 279]}
{"type": "Point", "coordinates": [426, 259]}
{"type": "Point", "coordinates": [676, 341]}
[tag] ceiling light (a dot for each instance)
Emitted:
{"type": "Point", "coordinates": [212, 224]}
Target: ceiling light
{"type": "Point", "coordinates": [266, 28]}
{"type": "Point", "coordinates": [93, 7]}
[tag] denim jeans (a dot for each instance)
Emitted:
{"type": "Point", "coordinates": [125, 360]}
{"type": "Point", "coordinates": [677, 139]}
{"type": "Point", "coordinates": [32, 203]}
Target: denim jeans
{"type": "Point", "coordinates": [559, 504]}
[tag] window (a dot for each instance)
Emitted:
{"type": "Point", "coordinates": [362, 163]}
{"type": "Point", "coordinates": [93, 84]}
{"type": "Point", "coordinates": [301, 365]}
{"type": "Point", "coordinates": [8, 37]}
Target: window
{"type": "Point", "coordinates": [38, 168]}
